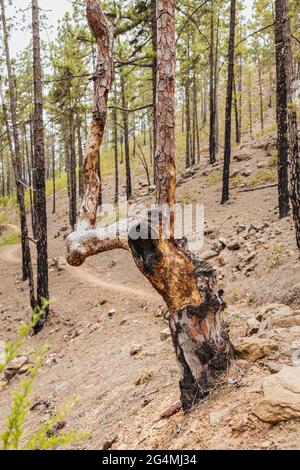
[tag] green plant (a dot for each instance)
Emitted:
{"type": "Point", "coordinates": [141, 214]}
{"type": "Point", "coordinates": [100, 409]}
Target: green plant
{"type": "Point", "coordinates": [277, 253]}
{"type": "Point", "coordinates": [47, 436]}
{"type": "Point", "coordinates": [262, 176]}
{"type": "Point", "coordinates": [213, 178]}
{"type": "Point", "coordinates": [3, 218]}
{"type": "Point", "coordinates": [273, 160]}
{"type": "Point", "coordinates": [12, 238]}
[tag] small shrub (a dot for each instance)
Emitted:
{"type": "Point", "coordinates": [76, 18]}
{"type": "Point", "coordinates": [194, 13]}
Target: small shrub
{"type": "Point", "coordinates": [277, 255]}
{"type": "Point", "coordinates": [14, 436]}
{"type": "Point", "coordinates": [273, 160]}
{"type": "Point", "coordinates": [262, 176]}
{"type": "Point", "coordinates": [12, 238]}
{"type": "Point", "coordinates": [213, 178]}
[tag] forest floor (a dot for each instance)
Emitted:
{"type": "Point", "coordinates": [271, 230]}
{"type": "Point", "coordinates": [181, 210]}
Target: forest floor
{"type": "Point", "coordinates": [105, 331]}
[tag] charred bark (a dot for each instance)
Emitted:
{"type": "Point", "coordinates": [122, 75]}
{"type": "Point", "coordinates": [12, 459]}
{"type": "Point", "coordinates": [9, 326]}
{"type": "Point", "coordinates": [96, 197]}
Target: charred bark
{"type": "Point", "coordinates": [154, 78]}
{"type": "Point", "coordinates": [40, 188]}
{"type": "Point", "coordinates": [282, 103]}
{"type": "Point", "coordinates": [187, 285]}
{"type": "Point", "coordinates": [228, 115]}
{"type": "Point", "coordinates": [283, 24]}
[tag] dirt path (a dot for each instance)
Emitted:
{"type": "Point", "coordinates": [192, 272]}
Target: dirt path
{"type": "Point", "coordinates": [12, 254]}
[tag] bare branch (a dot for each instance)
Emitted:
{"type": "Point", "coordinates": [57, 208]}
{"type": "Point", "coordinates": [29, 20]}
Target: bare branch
{"type": "Point", "coordinates": [85, 243]}
{"type": "Point", "coordinates": [139, 108]}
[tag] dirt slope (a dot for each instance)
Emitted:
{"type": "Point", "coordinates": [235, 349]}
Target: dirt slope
{"type": "Point", "coordinates": [105, 309]}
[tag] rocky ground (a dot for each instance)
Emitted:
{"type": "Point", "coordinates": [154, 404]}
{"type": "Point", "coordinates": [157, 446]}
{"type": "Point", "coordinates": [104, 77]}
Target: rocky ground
{"type": "Point", "coordinates": [109, 343]}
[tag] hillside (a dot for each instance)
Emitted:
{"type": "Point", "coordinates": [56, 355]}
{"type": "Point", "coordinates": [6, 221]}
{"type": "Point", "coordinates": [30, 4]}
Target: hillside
{"type": "Point", "coordinates": [107, 333]}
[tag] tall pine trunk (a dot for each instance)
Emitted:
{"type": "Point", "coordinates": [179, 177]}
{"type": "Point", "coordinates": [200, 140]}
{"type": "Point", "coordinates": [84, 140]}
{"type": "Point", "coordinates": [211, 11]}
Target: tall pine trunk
{"type": "Point", "coordinates": [80, 157]}
{"type": "Point", "coordinates": [154, 76]}
{"type": "Point", "coordinates": [126, 139]}
{"type": "Point", "coordinates": [212, 92]}
{"type": "Point", "coordinates": [228, 112]}
{"type": "Point", "coordinates": [40, 188]}
{"type": "Point", "coordinates": [261, 97]}
{"type": "Point", "coordinates": [283, 32]}
{"type": "Point", "coordinates": [282, 103]}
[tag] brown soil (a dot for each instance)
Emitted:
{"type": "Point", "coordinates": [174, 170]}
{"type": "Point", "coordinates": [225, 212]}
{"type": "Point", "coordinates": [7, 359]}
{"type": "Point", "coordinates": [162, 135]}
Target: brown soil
{"type": "Point", "coordinates": [100, 310]}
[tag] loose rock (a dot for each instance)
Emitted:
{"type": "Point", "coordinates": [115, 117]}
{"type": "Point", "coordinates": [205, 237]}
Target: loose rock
{"type": "Point", "coordinates": [281, 396]}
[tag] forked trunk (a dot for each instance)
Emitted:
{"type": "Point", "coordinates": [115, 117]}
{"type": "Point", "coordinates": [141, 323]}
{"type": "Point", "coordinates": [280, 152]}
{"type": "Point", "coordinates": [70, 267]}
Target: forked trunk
{"type": "Point", "coordinates": [187, 285]}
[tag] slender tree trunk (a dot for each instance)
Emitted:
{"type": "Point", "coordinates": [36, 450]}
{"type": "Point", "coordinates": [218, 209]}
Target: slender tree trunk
{"type": "Point", "coordinates": [216, 83]}
{"type": "Point", "coordinates": [115, 123]}
{"type": "Point", "coordinates": [2, 169]}
{"type": "Point", "coordinates": [282, 103]}
{"type": "Point", "coordinates": [126, 140]}
{"type": "Point", "coordinates": [240, 91]}
{"type": "Point", "coordinates": [40, 189]}
{"type": "Point", "coordinates": [270, 90]}
{"type": "Point", "coordinates": [72, 171]}
{"type": "Point", "coordinates": [262, 124]}
{"type": "Point", "coordinates": [16, 159]}
{"type": "Point", "coordinates": [53, 174]}
{"type": "Point", "coordinates": [196, 121]}
{"type": "Point", "coordinates": [154, 78]}
{"type": "Point", "coordinates": [204, 109]}
{"type": "Point", "coordinates": [236, 113]}
{"type": "Point", "coordinates": [33, 175]}
{"type": "Point", "coordinates": [250, 105]}
{"type": "Point", "coordinates": [187, 112]}
{"type": "Point", "coordinates": [285, 64]}
{"type": "Point", "coordinates": [212, 108]}
{"type": "Point", "coordinates": [228, 113]}
{"type": "Point", "coordinates": [150, 128]}
{"type": "Point", "coordinates": [29, 169]}
{"type": "Point", "coordinates": [80, 157]}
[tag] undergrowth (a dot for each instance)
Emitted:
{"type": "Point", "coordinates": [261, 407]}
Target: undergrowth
{"type": "Point", "coordinates": [15, 435]}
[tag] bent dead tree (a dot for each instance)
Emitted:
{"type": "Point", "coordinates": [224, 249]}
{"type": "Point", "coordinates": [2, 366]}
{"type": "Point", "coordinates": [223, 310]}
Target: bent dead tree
{"type": "Point", "coordinates": [186, 284]}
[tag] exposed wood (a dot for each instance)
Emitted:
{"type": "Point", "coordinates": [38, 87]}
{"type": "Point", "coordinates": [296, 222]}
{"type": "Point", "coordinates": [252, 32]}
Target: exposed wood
{"type": "Point", "coordinates": [103, 79]}
{"type": "Point", "coordinates": [187, 285]}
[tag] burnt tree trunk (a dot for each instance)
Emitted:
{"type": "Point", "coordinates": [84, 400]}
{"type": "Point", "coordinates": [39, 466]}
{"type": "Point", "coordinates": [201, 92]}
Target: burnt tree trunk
{"type": "Point", "coordinates": [228, 112]}
{"type": "Point", "coordinates": [202, 347]}
{"type": "Point", "coordinates": [212, 107]}
{"type": "Point", "coordinates": [154, 75]}
{"type": "Point", "coordinates": [283, 24]}
{"type": "Point", "coordinates": [261, 98]}
{"type": "Point", "coordinates": [196, 136]}
{"type": "Point", "coordinates": [80, 158]}
{"type": "Point", "coordinates": [72, 170]}
{"type": "Point", "coordinates": [240, 91]}
{"type": "Point", "coordinates": [236, 114]}
{"type": "Point", "coordinates": [126, 139]}
{"type": "Point", "coordinates": [250, 105]}
{"type": "Point", "coordinates": [282, 103]}
{"type": "Point", "coordinates": [115, 133]}
{"type": "Point", "coordinates": [187, 112]}
{"type": "Point", "coordinates": [40, 188]}
{"type": "Point", "coordinates": [53, 174]}
{"type": "Point", "coordinates": [2, 169]}
{"type": "Point", "coordinates": [29, 170]}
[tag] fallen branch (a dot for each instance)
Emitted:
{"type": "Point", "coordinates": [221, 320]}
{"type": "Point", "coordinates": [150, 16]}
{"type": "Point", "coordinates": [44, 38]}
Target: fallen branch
{"type": "Point", "coordinates": [259, 188]}
{"type": "Point", "coordinates": [133, 110]}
